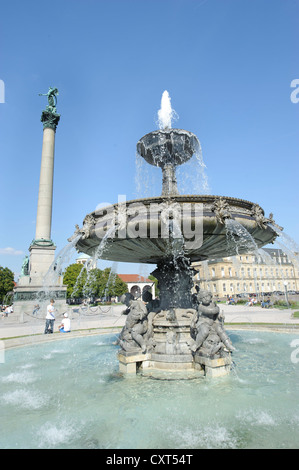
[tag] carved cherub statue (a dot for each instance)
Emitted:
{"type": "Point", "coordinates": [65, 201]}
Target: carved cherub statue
{"type": "Point", "coordinates": [132, 334]}
{"type": "Point", "coordinates": [206, 327]}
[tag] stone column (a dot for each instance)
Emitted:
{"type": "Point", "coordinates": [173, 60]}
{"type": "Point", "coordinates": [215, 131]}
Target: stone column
{"type": "Point", "coordinates": [45, 195]}
{"type": "Point", "coordinates": [42, 248]}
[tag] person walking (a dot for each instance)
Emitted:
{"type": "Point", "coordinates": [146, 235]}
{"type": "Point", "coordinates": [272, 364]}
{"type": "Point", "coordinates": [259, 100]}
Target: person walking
{"type": "Point", "coordinates": [50, 318]}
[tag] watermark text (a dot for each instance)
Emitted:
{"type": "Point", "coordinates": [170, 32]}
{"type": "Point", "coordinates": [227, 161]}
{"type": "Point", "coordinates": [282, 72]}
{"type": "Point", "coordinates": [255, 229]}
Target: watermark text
{"type": "Point", "coordinates": [295, 93]}
{"type": "Point", "coordinates": [2, 91]}
{"type": "Point", "coordinates": [152, 219]}
{"type": "Point", "coordinates": [295, 353]}
{"type": "Point", "coordinates": [2, 352]}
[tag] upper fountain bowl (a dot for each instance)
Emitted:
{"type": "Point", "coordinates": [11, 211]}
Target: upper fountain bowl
{"type": "Point", "coordinates": [168, 146]}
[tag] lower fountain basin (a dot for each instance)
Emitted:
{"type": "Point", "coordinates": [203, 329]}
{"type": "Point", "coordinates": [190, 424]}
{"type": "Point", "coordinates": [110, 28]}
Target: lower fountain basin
{"type": "Point", "coordinates": [68, 394]}
{"type": "Point", "coordinates": [198, 227]}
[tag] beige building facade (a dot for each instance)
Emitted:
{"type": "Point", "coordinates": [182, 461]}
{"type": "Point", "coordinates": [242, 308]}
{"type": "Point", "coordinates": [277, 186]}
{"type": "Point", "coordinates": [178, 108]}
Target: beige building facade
{"type": "Point", "coordinates": [269, 271]}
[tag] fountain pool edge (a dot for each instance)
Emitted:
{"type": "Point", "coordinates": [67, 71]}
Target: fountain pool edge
{"type": "Point", "coordinates": [39, 338]}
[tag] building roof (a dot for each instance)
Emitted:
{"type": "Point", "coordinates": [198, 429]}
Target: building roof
{"type": "Point", "coordinates": [83, 256]}
{"type": "Point", "coordinates": [134, 278]}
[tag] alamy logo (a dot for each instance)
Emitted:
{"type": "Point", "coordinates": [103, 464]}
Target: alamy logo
{"type": "Point", "coordinates": [2, 352]}
{"type": "Point", "coordinates": [2, 92]}
{"type": "Point", "coordinates": [295, 94]}
{"type": "Point", "coordinates": [295, 353]}
{"type": "Point", "coordinates": [154, 220]}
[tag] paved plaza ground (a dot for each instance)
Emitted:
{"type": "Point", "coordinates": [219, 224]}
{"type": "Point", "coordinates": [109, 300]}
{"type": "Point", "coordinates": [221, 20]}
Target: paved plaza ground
{"type": "Point", "coordinates": [110, 319]}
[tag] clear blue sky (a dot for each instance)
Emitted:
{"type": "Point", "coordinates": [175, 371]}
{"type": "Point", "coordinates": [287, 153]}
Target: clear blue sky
{"type": "Point", "coordinates": [227, 65]}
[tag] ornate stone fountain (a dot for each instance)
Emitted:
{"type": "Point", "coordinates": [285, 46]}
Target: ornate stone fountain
{"type": "Point", "coordinates": [182, 331]}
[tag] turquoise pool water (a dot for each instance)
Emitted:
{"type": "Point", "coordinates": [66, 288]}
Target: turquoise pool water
{"type": "Point", "coordinates": [69, 394]}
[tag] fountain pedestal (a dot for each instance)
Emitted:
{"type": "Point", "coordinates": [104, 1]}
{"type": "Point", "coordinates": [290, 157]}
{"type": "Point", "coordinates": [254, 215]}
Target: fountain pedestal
{"type": "Point", "coordinates": [171, 337]}
{"type": "Point", "coordinates": [171, 349]}
{"type": "Point", "coordinates": [213, 367]}
{"type": "Point", "coordinates": [175, 277]}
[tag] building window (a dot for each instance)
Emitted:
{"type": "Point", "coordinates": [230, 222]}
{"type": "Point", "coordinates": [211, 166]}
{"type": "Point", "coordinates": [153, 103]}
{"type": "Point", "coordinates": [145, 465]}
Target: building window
{"type": "Point", "coordinates": [224, 287]}
{"type": "Point", "coordinates": [213, 272]}
{"type": "Point", "coordinates": [222, 272]}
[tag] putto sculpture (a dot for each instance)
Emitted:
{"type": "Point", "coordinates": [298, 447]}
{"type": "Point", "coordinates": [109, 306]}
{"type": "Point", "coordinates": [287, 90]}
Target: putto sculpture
{"type": "Point", "coordinates": [207, 330]}
{"type": "Point", "coordinates": [132, 336]}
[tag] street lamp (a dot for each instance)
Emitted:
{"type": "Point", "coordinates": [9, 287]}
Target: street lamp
{"type": "Point", "coordinates": [286, 292]}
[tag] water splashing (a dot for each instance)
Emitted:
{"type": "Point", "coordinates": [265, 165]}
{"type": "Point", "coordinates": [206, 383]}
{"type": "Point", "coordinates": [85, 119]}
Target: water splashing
{"type": "Point", "coordinates": [238, 238]}
{"type": "Point", "coordinates": [287, 244]}
{"type": "Point", "coordinates": [166, 114]}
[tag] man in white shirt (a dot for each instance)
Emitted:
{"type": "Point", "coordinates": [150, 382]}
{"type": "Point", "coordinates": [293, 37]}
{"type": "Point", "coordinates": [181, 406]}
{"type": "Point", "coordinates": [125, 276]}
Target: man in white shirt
{"type": "Point", "coordinates": [65, 326]}
{"type": "Point", "coordinates": [50, 318]}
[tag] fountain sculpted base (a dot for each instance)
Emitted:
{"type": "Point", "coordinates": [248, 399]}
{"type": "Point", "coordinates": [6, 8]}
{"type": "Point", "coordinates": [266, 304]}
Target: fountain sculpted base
{"type": "Point", "coordinates": [176, 339]}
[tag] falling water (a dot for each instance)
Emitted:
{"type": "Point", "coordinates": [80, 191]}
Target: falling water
{"type": "Point", "coordinates": [89, 265]}
{"type": "Point", "coordinates": [238, 238]}
{"type": "Point", "coordinates": [192, 176]}
{"type": "Point", "coordinates": [206, 274]}
{"type": "Point", "coordinates": [53, 277]}
{"type": "Point", "coordinates": [111, 279]}
{"type": "Point", "coordinates": [287, 244]}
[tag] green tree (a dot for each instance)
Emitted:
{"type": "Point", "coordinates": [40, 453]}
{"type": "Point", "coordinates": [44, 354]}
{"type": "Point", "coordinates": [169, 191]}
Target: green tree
{"type": "Point", "coordinates": [95, 283]}
{"type": "Point", "coordinates": [110, 285]}
{"type": "Point", "coordinates": [74, 279]}
{"type": "Point", "coordinates": [6, 282]}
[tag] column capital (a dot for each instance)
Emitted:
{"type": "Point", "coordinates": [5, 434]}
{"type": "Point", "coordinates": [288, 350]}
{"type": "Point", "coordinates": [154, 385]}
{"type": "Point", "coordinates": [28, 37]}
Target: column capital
{"type": "Point", "coordinates": [50, 119]}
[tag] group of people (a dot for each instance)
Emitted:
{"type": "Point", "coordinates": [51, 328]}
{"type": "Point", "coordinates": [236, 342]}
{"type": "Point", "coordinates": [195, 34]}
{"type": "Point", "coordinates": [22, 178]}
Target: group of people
{"type": "Point", "coordinates": [251, 301]}
{"type": "Point", "coordinates": [6, 310]}
{"type": "Point", "coordinates": [64, 327]}
{"type": "Point", "coordinates": [266, 303]}
{"type": "Point", "coordinates": [230, 300]}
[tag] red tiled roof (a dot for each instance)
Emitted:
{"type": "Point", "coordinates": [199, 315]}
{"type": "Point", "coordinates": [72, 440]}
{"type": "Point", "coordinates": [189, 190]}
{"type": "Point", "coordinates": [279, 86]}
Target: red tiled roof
{"type": "Point", "coordinates": [133, 278]}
